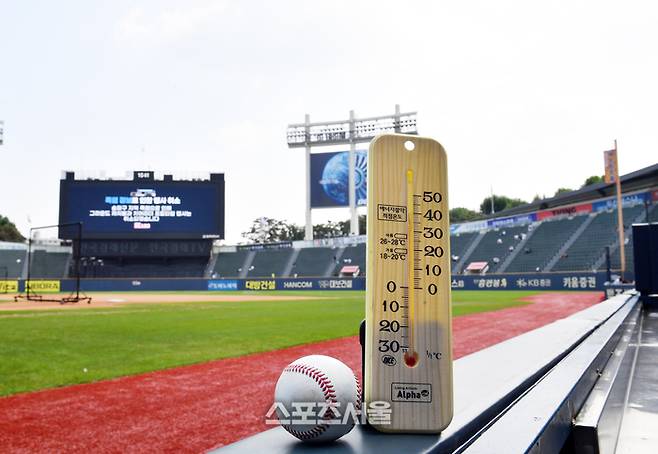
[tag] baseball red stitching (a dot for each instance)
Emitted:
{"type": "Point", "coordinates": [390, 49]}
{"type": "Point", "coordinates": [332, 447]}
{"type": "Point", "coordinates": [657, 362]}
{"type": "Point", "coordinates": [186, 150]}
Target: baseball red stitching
{"type": "Point", "coordinates": [329, 394]}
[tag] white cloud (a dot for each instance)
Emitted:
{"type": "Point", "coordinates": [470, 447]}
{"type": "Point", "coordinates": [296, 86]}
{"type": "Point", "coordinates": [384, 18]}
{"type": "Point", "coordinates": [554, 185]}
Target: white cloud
{"type": "Point", "coordinates": [153, 26]}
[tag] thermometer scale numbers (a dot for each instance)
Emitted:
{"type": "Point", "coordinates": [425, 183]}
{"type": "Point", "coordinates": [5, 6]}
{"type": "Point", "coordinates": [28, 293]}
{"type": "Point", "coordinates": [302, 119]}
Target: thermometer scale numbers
{"type": "Point", "coordinates": [414, 244]}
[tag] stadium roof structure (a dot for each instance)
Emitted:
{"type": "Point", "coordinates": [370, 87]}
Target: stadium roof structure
{"type": "Point", "coordinates": [640, 179]}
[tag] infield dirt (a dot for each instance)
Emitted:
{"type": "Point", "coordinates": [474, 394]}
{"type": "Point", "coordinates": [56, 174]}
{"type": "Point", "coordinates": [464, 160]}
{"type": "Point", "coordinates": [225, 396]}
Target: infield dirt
{"type": "Point", "coordinates": [103, 300]}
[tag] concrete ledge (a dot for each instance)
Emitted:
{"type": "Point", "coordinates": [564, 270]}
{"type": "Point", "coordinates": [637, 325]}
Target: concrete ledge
{"type": "Point", "coordinates": [486, 383]}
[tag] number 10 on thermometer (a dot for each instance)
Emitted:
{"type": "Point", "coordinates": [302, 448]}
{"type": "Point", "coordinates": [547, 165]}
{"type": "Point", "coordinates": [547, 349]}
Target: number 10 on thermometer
{"type": "Point", "coordinates": [408, 316]}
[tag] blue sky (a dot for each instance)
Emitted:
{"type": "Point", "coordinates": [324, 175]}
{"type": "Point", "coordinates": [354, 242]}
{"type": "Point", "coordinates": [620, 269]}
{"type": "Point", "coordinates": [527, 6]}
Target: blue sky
{"type": "Point", "coordinates": [524, 95]}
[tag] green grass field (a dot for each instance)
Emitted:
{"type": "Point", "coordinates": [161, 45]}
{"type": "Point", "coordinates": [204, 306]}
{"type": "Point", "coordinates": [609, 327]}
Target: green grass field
{"type": "Point", "coordinates": [43, 349]}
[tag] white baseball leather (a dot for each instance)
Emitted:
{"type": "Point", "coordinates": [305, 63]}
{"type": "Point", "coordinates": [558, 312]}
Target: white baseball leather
{"type": "Point", "coordinates": [318, 378]}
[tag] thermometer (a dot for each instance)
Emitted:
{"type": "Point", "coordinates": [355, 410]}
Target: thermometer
{"type": "Point", "coordinates": [408, 358]}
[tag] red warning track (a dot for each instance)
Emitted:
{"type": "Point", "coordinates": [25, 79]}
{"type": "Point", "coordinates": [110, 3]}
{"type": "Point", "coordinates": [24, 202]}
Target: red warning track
{"type": "Point", "coordinates": [196, 408]}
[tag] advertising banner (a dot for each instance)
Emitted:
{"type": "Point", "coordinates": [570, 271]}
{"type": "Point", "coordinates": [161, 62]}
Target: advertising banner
{"type": "Point", "coordinates": [472, 226]}
{"type": "Point", "coordinates": [545, 281]}
{"type": "Point", "coordinates": [570, 210]}
{"type": "Point", "coordinates": [260, 284]}
{"type": "Point", "coordinates": [263, 246]}
{"type": "Point", "coordinates": [223, 285]}
{"type": "Point", "coordinates": [587, 281]}
{"type": "Point", "coordinates": [330, 179]}
{"type": "Point", "coordinates": [8, 286]}
{"type": "Point", "coordinates": [627, 200]}
{"type": "Point", "coordinates": [305, 284]}
{"type": "Point", "coordinates": [610, 164]}
{"type": "Point", "coordinates": [43, 286]}
{"type": "Point", "coordinates": [513, 220]}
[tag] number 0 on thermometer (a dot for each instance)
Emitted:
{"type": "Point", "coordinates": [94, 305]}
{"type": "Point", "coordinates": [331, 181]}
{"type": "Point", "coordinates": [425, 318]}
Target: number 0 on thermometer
{"type": "Point", "coordinates": [408, 314]}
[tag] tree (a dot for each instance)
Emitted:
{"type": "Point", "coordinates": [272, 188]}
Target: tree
{"type": "Point", "coordinates": [501, 203]}
{"type": "Point", "coordinates": [268, 230]}
{"type": "Point", "coordinates": [8, 231]}
{"type": "Point", "coordinates": [345, 225]}
{"type": "Point", "coordinates": [592, 180]}
{"type": "Point", "coordinates": [460, 214]}
{"type": "Point", "coordinates": [330, 229]}
{"type": "Point", "coordinates": [561, 191]}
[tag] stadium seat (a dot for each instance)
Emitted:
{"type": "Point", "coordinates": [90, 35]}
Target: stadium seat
{"type": "Point", "coordinates": [495, 246]}
{"type": "Point", "coordinates": [12, 261]}
{"type": "Point", "coordinates": [591, 244]}
{"type": "Point", "coordinates": [229, 264]}
{"type": "Point", "coordinates": [544, 242]}
{"type": "Point", "coordinates": [314, 262]}
{"type": "Point", "coordinates": [269, 262]}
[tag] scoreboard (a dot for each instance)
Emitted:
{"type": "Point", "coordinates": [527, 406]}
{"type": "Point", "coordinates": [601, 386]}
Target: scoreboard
{"type": "Point", "coordinates": [142, 208]}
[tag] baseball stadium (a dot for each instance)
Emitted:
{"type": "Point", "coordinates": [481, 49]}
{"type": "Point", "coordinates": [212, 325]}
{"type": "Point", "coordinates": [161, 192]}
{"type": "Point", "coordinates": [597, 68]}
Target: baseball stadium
{"type": "Point", "coordinates": [138, 319]}
{"type": "Point", "coordinates": [128, 331]}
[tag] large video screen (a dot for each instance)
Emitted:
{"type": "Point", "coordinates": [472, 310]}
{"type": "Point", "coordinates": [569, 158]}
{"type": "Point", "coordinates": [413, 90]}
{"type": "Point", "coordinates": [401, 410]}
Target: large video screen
{"type": "Point", "coordinates": [143, 209]}
{"type": "Point", "coordinates": [330, 179]}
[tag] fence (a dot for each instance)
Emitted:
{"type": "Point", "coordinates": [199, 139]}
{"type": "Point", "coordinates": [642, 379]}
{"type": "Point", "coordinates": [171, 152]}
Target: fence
{"type": "Point", "coordinates": [539, 281]}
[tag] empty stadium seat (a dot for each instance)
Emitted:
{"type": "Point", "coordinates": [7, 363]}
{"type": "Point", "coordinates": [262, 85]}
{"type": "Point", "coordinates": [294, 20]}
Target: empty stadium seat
{"type": "Point", "coordinates": [180, 267]}
{"type": "Point", "coordinates": [494, 247]}
{"type": "Point", "coordinates": [353, 255]}
{"type": "Point", "coordinates": [47, 264]}
{"type": "Point", "coordinates": [229, 264]}
{"type": "Point", "coordinates": [546, 240]}
{"type": "Point", "coordinates": [590, 245]}
{"type": "Point", "coordinates": [314, 262]}
{"type": "Point", "coordinates": [459, 243]}
{"type": "Point", "coordinates": [11, 261]}
{"type": "Point", "coordinates": [269, 262]}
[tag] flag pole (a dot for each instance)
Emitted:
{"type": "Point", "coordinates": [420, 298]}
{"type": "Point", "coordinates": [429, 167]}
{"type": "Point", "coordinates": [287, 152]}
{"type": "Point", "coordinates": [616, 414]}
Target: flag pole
{"type": "Point", "coordinates": [492, 201]}
{"type": "Point", "coordinates": [620, 218]}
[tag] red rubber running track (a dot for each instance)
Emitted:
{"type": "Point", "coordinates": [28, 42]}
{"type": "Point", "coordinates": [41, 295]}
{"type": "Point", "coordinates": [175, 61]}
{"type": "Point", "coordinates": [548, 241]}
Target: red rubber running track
{"type": "Point", "coordinates": [196, 408]}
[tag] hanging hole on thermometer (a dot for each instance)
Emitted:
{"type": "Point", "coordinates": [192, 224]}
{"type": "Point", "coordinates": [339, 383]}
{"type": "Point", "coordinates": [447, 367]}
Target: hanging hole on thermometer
{"type": "Point", "coordinates": [409, 145]}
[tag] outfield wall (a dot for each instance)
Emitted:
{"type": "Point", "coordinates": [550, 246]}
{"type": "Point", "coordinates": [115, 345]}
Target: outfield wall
{"type": "Point", "coordinates": [543, 281]}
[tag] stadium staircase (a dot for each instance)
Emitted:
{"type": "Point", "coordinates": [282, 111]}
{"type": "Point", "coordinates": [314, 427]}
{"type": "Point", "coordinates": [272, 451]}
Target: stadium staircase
{"type": "Point", "coordinates": [495, 244]}
{"type": "Point", "coordinates": [462, 245]}
{"type": "Point", "coordinates": [543, 243]}
{"type": "Point", "coordinates": [567, 244]}
{"type": "Point", "coordinates": [230, 264]}
{"type": "Point", "coordinates": [521, 246]}
{"type": "Point", "coordinates": [288, 270]}
{"type": "Point", "coordinates": [587, 249]}
{"type": "Point", "coordinates": [353, 255]}
{"type": "Point", "coordinates": [269, 263]}
{"type": "Point", "coordinates": [314, 262]}
{"type": "Point", "coordinates": [249, 259]}
{"type": "Point", "coordinates": [337, 260]}
{"type": "Point", "coordinates": [212, 263]}
{"type": "Point", "coordinates": [615, 263]}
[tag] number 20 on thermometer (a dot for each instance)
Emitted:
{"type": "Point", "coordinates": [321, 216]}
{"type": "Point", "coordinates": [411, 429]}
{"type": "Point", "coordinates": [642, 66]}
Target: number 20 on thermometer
{"type": "Point", "coordinates": [408, 316]}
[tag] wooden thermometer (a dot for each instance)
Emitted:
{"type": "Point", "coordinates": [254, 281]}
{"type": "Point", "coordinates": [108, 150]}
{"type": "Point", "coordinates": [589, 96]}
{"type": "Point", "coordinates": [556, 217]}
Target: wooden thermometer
{"type": "Point", "coordinates": [408, 358]}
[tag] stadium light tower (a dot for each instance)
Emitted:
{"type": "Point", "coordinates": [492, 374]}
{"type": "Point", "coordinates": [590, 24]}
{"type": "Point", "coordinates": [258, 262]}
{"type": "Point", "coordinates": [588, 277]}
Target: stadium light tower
{"type": "Point", "coordinates": [351, 131]}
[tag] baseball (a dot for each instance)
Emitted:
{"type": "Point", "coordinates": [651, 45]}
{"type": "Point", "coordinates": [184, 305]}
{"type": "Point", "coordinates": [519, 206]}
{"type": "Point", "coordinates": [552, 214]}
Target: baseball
{"type": "Point", "coordinates": [325, 384]}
